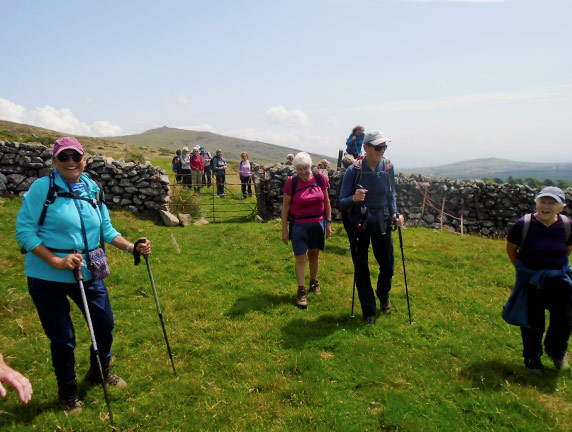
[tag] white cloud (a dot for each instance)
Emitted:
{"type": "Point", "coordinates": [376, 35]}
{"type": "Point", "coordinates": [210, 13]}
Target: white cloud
{"type": "Point", "coordinates": [60, 120]}
{"type": "Point", "coordinates": [279, 114]}
{"type": "Point", "coordinates": [183, 100]}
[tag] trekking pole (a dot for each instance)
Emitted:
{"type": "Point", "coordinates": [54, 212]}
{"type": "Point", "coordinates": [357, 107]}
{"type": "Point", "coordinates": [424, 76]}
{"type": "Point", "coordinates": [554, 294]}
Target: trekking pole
{"type": "Point", "coordinates": [352, 316]}
{"type": "Point", "coordinates": [160, 315]}
{"type": "Point", "coordinates": [404, 274]}
{"type": "Point", "coordinates": [79, 278]}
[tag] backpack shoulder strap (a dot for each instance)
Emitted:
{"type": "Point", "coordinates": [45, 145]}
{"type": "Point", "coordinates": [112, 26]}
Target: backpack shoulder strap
{"type": "Point", "coordinates": [317, 176]}
{"type": "Point", "coordinates": [358, 170]}
{"type": "Point", "coordinates": [50, 197]}
{"type": "Point", "coordinates": [294, 183]}
{"type": "Point", "coordinates": [567, 228]}
{"type": "Point", "coordinates": [525, 227]}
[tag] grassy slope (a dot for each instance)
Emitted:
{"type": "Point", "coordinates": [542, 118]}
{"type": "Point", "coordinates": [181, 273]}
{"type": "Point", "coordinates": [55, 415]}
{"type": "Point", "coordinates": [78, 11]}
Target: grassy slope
{"type": "Point", "coordinates": [249, 360]}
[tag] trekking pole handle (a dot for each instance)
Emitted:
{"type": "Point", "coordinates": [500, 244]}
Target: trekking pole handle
{"type": "Point", "coordinates": [77, 273]}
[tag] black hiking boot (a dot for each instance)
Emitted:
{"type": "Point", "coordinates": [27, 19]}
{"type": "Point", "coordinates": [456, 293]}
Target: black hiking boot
{"type": "Point", "coordinates": [111, 379]}
{"type": "Point", "coordinates": [68, 398]}
{"type": "Point", "coordinates": [301, 300]}
{"type": "Point", "coordinates": [534, 366]}
{"type": "Point", "coordinates": [370, 320]}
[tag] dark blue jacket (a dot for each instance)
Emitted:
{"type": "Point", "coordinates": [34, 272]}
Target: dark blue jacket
{"type": "Point", "coordinates": [377, 186]}
{"type": "Point", "coordinates": [515, 310]}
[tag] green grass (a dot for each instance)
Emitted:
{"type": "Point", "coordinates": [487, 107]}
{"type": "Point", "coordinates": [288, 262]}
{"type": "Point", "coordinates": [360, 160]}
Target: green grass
{"type": "Point", "coordinates": [248, 359]}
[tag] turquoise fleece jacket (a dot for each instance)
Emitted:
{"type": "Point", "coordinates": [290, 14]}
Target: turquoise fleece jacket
{"type": "Point", "coordinates": [61, 228]}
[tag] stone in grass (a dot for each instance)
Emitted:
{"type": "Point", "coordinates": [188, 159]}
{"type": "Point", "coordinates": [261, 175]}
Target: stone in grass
{"type": "Point", "coordinates": [201, 221]}
{"type": "Point", "coordinates": [185, 219]}
{"type": "Point", "coordinates": [169, 219]}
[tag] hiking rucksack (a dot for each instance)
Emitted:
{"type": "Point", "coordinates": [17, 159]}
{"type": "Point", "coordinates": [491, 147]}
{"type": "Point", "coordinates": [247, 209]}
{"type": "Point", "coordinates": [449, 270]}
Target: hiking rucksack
{"type": "Point", "coordinates": [528, 219]}
{"type": "Point", "coordinates": [357, 179]}
{"type": "Point", "coordinates": [53, 194]}
{"type": "Point", "coordinates": [317, 176]}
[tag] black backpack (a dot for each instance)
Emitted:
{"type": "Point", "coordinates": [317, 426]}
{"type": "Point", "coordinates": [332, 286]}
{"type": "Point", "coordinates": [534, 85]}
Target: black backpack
{"type": "Point", "coordinates": [53, 193]}
{"type": "Point", "coordinates": [357, 178]}
{"type": "Point", "coordinates": [295, 182]}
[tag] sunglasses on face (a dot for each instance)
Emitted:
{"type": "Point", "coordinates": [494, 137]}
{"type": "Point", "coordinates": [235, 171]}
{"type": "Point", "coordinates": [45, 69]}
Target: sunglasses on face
{"type": "Point", "coordinates": [64, 157]}
{"type": "Point", "coordinates": [379, 147]}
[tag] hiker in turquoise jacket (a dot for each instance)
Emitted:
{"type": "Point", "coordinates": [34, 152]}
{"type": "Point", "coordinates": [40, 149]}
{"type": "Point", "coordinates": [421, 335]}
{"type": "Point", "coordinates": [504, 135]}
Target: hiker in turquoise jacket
{"type": "Point", "coordinates": [538, 245]}
{"type": "Point", "coordinates": [55, 245]}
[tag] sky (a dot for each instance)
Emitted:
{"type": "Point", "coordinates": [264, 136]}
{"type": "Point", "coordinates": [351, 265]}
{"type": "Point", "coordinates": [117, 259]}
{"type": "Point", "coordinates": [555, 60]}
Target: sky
{"type": "Point", "coordinates": [445, 80]}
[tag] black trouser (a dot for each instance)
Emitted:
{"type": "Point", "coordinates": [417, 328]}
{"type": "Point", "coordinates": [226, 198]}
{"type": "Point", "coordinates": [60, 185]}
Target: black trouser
{"type": "Point", "coordinates": [244, 181]}
{"type": "Point", "coordinates": [554, 296]}
{"type": "Point", "coordinates": [220, 180]}
{"type": "Point", "coordinates": [186, 174]}
{"type": "Point", "coordinates": [207, 176]}
{"type": "Point", "coordinates": [382, 245]}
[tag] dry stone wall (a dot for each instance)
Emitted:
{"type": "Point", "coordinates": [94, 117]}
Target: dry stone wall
{"type": "Point", "coordinates": [483, 208]}
{"type": "Point", "coordinates": [134, 186]}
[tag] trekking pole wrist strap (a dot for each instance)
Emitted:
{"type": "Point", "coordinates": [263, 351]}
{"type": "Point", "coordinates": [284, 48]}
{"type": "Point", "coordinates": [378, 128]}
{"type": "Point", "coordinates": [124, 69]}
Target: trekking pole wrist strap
{"type": "Point", "coordinates": [136, 253]}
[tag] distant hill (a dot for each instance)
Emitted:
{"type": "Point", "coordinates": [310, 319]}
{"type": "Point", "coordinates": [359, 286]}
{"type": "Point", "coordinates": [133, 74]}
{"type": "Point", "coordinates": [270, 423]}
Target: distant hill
{"type": "Point", "coordinates": [174, 139]}
{"type": "Point", "coordinates": [160, 142]}
{"type": "Point", "coordinates": [498, 168]}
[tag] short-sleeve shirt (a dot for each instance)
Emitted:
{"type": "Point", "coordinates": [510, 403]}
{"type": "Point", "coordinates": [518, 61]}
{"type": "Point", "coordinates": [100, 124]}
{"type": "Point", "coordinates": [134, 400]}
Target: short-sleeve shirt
{"type": "Point", "coordinates": [308, 202]}
{"type": "Point", "coordinates": [544, 247]}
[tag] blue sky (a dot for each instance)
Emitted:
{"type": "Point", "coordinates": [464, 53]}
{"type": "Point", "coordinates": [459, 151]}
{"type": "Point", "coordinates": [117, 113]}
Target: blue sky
{"type": "Point", "coordinates": [445, 80]}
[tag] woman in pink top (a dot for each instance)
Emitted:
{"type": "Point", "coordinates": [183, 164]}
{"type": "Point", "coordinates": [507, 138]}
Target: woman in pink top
{"type": "Point", "coordinates": [306, 217]}
{"type": "Point", "coordinates": [245, 174]}
{"type": "Point", "coordinates": [197, 169]}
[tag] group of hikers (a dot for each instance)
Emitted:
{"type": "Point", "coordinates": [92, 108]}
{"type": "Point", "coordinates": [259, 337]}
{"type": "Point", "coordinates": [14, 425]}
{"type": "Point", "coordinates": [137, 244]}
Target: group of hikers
{"type": "Point", "coordinates": [195, 170]}
{"type": "Point", "coordinates": [64, 223]}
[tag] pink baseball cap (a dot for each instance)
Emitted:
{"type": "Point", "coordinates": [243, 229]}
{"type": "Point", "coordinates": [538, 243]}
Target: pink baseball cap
{"type": "Point", "coordinates": [67, 143]}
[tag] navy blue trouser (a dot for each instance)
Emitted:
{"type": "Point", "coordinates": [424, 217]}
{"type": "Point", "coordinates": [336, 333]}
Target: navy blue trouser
{"type": "Point", "coordinates": [53, 308]}
{"type": "Point", "coordinates": [382, 245]}
{"type": "Point", "coordinates": [220, 180]}
{"type": "Point", "coordinates": [554, 296]}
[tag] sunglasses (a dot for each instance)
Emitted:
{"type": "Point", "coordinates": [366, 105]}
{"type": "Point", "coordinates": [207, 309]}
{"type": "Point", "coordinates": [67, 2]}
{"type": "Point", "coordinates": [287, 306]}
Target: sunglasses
{"type": "Point", "coordinates": [64, 157]}
{"type": "Point", "coordinates": [379, 147]}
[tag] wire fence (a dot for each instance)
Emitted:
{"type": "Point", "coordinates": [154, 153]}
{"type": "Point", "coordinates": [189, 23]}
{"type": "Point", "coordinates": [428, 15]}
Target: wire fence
{"type": "Point", "coordinates": [202, 201]}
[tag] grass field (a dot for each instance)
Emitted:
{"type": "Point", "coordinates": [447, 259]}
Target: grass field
{"type": "Point", "coordinates": [248, 359]}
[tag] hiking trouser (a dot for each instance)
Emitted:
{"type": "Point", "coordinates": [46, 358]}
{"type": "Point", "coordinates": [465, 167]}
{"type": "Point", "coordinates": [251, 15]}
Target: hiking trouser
{"type": "Point", "coordinates": [220, 179]}
{"type": "Point", "coordinates": [244, 182]}
{"type": "Point", "coordinates": [554, 296]}
{"type": "Point", "coordinates": [186, 174]}
{"type": "Point", "coordinates": [382, 245]}
{"type": "Point", "coordinates": [207, 176]}
{"type": "Point", "coordinates": [197, 176]}
{"type": "Point", "coordinates": [53, 308]}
